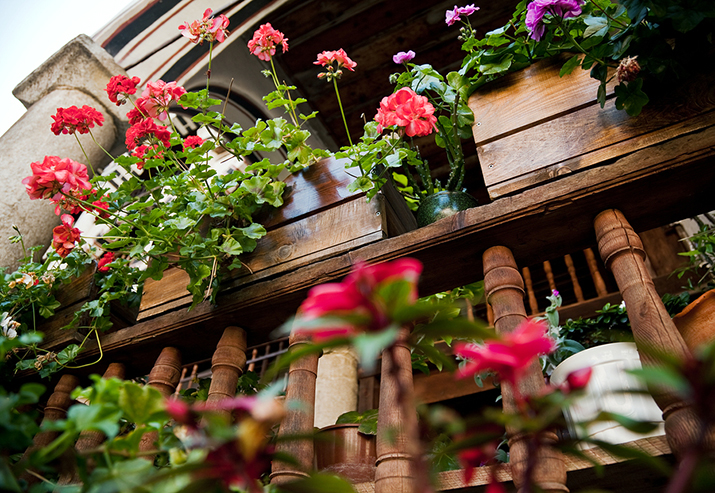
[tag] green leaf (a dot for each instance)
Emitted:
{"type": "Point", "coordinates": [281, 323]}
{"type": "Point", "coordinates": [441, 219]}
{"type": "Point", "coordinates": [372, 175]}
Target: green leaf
{"type": "Point", "coordinates": [141, 404]}
{"type": "Point", "coordinates": [570, 65]}
{"type": "Point", "coordinates": [319, 483]}
{"type": "Point", "coordinates": [597, 26]}
{"type": "Point", "coordinates": [100, 417]}
{"type": "Point", "coordinates": [629, 96]}
{"type": "Point", "coordinates": [369, 346]}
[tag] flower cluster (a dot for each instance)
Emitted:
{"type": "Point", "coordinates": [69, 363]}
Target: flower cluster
{"type": "Point", "coordinates": [358, 304]}
{"type": "Point", "coordinates": [8, 326]}
{"type": "Point", "coordinates": [64, 236]}
{"type": "Point", "coordinates": [147, 130]}
{"type": "Point", "coordinates": [537, 9]}
{"type": "Point", "coordinates": [265, 41]}
{"type": "Point", "coordinates": [409, 110]}
{"type": "Point", "coordinates": [207, 29]}
{"type": "Point", "coordinates": [74, 119]}
{"type": "Point", "coordinates": [453, 16]}
{"type": "Point", "coordinates": [403, 57]}
{"type": "Point", "coordinates": [120, 87]}
{"type": "Point", "coordinates": [157, 96]}
{"type": "Point", "coordinates": [334, 62]}
{"type": "Point", "coordinates": [54, 176]}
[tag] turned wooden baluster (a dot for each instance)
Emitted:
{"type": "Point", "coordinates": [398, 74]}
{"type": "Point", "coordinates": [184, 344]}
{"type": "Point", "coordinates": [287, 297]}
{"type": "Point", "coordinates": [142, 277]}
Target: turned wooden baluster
{"type": "Point", "coordinates": [505, 292]}
{"type": "Point", "coordinates": [300, 405]}
{"type": "Point", "coordinates": [90, 439]}
{"type": "Point", "coordinates": [574, 278]}
{"type": "Point", "coordinates": [533, 304]}
{"type": "Point", "coordinates": [396, 443]}
{"type": "Point", "coordinates": [595, 273]}
{"type": "Point", "coordinates": [227, 365]}
{"type": "Point", "coordinates": [622, 252]}
{"type": "Point", "coordinates": [549, 275]}
{"type": "Point", "coordinates": [55, 409]}
{"type": "Point", "coordinates": [164, 377]}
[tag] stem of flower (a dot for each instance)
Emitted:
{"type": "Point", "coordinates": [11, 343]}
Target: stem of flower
{"type": "Point", "coordinates": [208, 72]}
{"type": "Point", "coordinates": [624, 26]}
{"type": "Point", "coordinates": [99, 145]}
{"type": "Point", "coordinates": [342, 113]}
{"type": "Point", "coordinates": [89, 163]}
{"type": "Point", "coordinates": [99, 346]}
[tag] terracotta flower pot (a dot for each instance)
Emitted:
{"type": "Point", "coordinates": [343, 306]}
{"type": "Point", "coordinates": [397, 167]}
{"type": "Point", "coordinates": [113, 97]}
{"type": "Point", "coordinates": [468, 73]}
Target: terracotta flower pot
{"type": "Point", "coordinates": [696, 322]}
{"type": "Point", "coordinates": [342, 450]}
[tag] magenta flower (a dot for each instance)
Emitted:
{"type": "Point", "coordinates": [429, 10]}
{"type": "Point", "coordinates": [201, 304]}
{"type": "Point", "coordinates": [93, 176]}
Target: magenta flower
{"type": "Point", "coordinates": [452, 16]}
{"type": "Point", "coordinates": [208, 28]}
{"type": "Point", "coordinates": [356, 304]}
{"type": "Point", "coordinates": [511, 355]}
{"type": "Point", "coordinates": [157, 96]}
{"type": "Point", "coordinates": [577, 380]}
{"type": "Point", "coordinates": [403, 57]}
{"type": "Point", "coordinates": [468, 9]}
{"type": "Point", "coordinates": [265, 41]}
{"type": "Point", "coordinates": [537, 9]}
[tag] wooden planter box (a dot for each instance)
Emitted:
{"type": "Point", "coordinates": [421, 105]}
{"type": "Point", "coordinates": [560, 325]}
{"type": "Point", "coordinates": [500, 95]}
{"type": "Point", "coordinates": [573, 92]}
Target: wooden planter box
{"type": "Point", "coordinates": [533, 126]}
{"type": "Point", "coordinates": [319, 218]}
{"type": "Point", "coordinates": [71, 297]}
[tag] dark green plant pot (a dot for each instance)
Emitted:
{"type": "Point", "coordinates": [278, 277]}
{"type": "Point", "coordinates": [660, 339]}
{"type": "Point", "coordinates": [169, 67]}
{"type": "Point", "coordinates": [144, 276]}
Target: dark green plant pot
{"type": "Point", "coordinates": [443, 204]}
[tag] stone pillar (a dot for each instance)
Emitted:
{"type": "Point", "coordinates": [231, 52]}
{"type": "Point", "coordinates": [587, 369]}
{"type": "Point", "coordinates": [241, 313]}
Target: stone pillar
{"type": "Point", "coordinates": [76, 75]}
{"type": "Point", "coordinates": [336, 389]}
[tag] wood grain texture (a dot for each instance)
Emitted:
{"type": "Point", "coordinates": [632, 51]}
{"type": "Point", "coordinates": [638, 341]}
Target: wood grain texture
{"type": "Point", "coordinates": [577, 139]}
{"type": "Point", "coordinates": [300, 416]}
{"type": "Point", "coordinates": [504, 289]}
{"type": "Point", "coordinates": [511, 103]}
{"type": "Point", "coordinates": [622, 251]}
{"type": "Point", "coordinates": [440, 386]}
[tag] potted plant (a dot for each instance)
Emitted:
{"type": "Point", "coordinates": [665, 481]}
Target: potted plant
{"type": "Point", "coordinates": [348, 447]}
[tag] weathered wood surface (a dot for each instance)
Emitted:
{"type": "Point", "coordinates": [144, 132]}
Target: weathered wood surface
{"type": "Point", "coordinates": [227, 365]}
{"type": "Point", "coordinates": [653, 330]}
{"type": "Point", "coordinates": [652, 186]}
{"type": "Point", "coordinates": [164, 377]}
{"type": "Point", "coordinates": [440, 386]}
{"type": "Point", "coordinates": [535, 143]}
{"type": "Point", "coordinates": [344, 227]}
{"type": "Point", "coordinates": [504, 289]}
{"type": "Point", "coordinates": [499, 112]}
{"type": "Point", "coordinates": [300, 416]}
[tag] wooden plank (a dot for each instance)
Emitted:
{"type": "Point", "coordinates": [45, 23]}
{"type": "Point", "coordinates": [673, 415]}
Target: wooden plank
{"type": "Point", "coordinates": [511, 104]}
{"type": "Point", "coordinates": [440, 386]}
{"type": "Point", "coordinates": [341, 228]}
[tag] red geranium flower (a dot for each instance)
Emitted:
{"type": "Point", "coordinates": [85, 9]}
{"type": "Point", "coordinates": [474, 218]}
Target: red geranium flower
{"type": "Point", "coordinates": [407, 109]}
{"type": "Point", "coordinates": [54, 176]}
{"type": "Point", "coordinates": [207, 29]}
{"type": "Point", "coordinates": [192, 142]}
{"type": "Point", "coordinates": [147, 130]}
{"type": "Point", "coordinates": [145, 152]}
{"type": "Point", "coordinates": [65, 236]}
{"type": "Point", "coordinates": [356, 304]}
{"type": "Point", "coordinates": [73, 119]}
{"type": "Point", "coordinates": [265, 40]}
{"type": "Point", "coordinates": [120, 87]}
{"type": "Point", "coordinates": [511, 355]}
{"type": "Point", "coordinates": [107, 258]}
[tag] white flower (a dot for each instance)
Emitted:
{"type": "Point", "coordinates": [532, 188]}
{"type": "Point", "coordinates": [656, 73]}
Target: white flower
{"type": "Point", "coordinates": [622, 306]}
{"type": "Point", "coordinates": [8, 326]}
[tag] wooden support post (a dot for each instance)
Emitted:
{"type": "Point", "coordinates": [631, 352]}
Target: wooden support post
{"type": "Point", "coordinates": [227, 365]}
{"type": "Point", "coordinates": [56, 408]}
{"type": "Point", "coordinates": [622, 252]}
{"type": "Point", "coordinates": [164, 377]}
{"type": "Point", "coordinates": [549, 275]}
{"type": "Point", "coordinates": [90, 439]}
{"type": "Point", "coordinates": [598, 282]}
{"type": "Point", "coordinates": [300, 404]}
{"type": "Point", "coordinates": [533, 304]}
{"type": "Point", "coordinates": [574, 278]}
{"type": "Point", "coordinates": [396, 443]}
{"type": "Point", "coordinates": [505, 292]}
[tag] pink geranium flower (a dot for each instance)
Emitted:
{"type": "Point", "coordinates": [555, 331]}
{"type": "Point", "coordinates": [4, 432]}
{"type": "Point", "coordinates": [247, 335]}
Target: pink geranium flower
{"type": "Point", "coordinates": [120, 87]}
{"type": "Point", "coordinates": [207, 29]}
{"type": "Point", "coordinates": [511, 355]}
{"type": "Point", "coordinates": [157, 96]}
{"type": "Point", "coordinates": [74, 119]}
{"type": "Point", "coordinates": [334, 61]}
{"type": "Point", "coordinates": [147, 130]}
{"type": "Point", "coordinates": [265, 41]}
{"type": "Point", "coordinates": [65, 236]}
{"type": "Point", "coordinates": [403, 57]}
{"type": "Point", "coordinates": [409, 110]}
{"type": "Point", "coordinates": [537, 9]}
{"type": "Point", "coordinates": [54, 176]}
{"type": "Point", "coordinates": [356, 305]}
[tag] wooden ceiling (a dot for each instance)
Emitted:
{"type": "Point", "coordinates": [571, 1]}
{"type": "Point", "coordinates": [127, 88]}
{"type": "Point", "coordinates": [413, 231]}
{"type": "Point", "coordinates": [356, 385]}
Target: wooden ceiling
{"type": "Point", "coordinates": [371, 32]}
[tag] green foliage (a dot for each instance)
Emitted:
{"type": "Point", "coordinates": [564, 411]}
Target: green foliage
{"type": "Point", "coordinates": [367, 420]}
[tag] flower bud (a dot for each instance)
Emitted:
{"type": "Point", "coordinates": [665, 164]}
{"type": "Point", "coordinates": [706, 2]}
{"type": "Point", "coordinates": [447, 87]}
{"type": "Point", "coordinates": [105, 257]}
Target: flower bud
{"type": "Point", "coordinates": [628, 69]}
